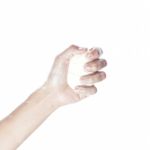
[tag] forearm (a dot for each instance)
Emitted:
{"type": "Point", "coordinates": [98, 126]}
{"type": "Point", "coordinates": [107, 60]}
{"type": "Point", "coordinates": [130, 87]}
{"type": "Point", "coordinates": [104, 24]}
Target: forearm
{"type": "Point", "coordinates": [16, 127]}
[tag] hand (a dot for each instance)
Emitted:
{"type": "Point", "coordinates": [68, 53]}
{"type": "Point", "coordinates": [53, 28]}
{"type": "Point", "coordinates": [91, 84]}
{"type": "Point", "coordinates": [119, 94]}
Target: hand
{"type": "Point", "coordinates": [57, 80]}
{"type": "Point", "coordinates": [54, 93]}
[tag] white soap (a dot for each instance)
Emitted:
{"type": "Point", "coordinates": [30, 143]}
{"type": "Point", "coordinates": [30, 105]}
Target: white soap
{"type": "Point", "coordinates": [76, 70]}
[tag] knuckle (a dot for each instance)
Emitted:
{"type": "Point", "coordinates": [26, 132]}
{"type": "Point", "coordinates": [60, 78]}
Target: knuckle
{"type": "Point", "coordinates": [72, 46]}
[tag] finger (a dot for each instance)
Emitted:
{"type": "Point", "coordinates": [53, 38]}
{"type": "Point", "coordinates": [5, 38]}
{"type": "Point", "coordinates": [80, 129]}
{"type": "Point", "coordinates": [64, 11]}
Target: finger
{"type": "Point", "coordinates": [92, 78]}
{"type": "Point", "coordinates": [72, 51]}
{"type": "Point", "coordinates": [61, 64]}
{"type": "Point", "coordinates": [95, 65]}
{"type": "Point", "coordinates": [94, 53]}
{"type": "Point", "coordinates": [85, 91]}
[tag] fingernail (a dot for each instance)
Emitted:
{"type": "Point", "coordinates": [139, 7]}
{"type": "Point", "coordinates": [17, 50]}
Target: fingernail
{"type": "Point", "coordinates": [100, 51]}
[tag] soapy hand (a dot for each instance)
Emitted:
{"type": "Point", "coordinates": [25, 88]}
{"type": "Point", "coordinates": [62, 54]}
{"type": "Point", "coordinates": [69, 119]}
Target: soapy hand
{"type": "Point", "coordinates": [57, 80]}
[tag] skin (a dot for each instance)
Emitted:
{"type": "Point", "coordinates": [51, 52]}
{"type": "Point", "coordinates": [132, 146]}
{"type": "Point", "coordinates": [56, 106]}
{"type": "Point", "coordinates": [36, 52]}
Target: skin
{"type": "Point", "coordinates": [54, 93]}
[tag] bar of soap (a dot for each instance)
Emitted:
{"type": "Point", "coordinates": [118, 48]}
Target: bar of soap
{"type": "Point", "coordinates": [76, 69]}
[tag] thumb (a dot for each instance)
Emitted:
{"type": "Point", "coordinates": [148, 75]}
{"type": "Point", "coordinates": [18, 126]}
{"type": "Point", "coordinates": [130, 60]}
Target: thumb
{"type": "Point", "coordinates": [60, 67]}
{"type": "Point", "coordinates": [84, 91]}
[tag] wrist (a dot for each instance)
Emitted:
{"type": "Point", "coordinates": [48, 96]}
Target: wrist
{"type": "Point", "coordinates": [48, 95]}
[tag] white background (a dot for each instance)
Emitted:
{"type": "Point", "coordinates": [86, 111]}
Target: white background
{"type": "Point", "coordinates": [33, 32]}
